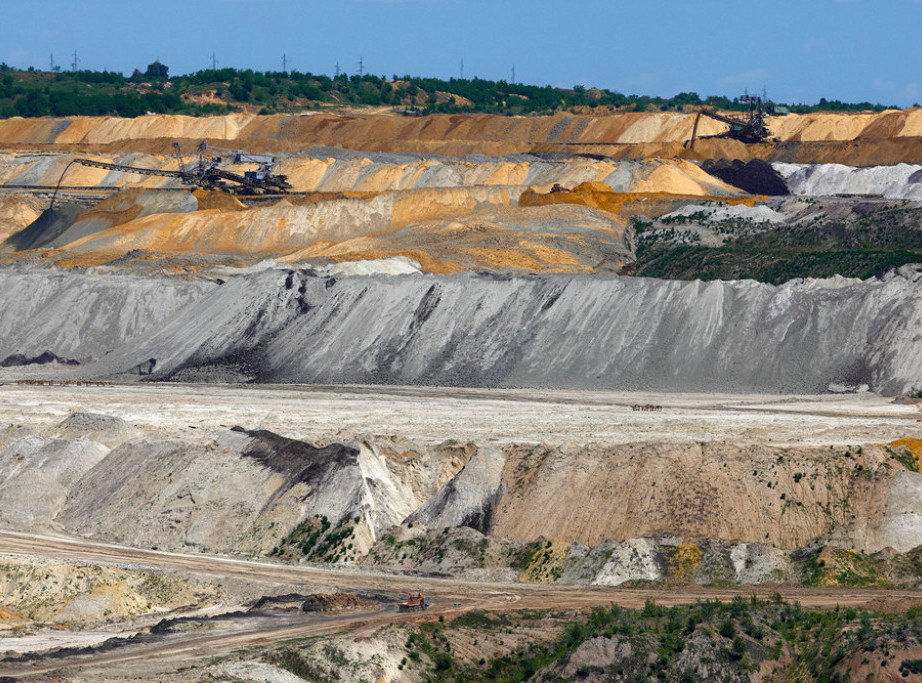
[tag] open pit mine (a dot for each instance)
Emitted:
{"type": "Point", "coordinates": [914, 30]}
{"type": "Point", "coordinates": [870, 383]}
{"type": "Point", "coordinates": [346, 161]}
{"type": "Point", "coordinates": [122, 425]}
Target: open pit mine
{"type": "Point", "coordinates": [512, 367]}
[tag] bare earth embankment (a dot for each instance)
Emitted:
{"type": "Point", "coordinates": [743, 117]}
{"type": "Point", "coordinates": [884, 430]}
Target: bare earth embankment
{"type": "Point", "coordinates": [236, 432]}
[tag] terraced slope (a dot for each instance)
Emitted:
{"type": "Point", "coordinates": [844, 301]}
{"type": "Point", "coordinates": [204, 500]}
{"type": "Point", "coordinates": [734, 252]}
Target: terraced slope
{"type": "Point", "coordinates": [885, 137]}
{"type": "Point", "coordinates": [447, 215]}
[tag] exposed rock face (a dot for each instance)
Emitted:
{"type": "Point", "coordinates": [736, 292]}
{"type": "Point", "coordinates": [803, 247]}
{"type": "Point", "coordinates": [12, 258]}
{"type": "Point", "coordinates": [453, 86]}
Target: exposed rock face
{"type": "Point", "coordinates": [591, 514]}
{"type": "Point", "coordinates": [98, 476]}
{"type": "Point", "coordinates": [244, 492]}
{"type": "Point", "coordinates": [901, 526]}
{"type": "Point", "coordinates": [470, 498]}
{"type": "Point", "coordinates": [632, 560]}
{"type": "Point", "coordinates": [729, 492]}
{"type": "Point", "coordinates": [558, 331]}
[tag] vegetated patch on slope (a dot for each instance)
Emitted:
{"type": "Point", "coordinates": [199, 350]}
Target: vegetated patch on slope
{"type": "Point", "coordinates": [710, 640]}
{"type": "Point", "coordinates": [57, 592]}
{"type": "Point", "coordinates": [727, 263]}
{"type": "Point", "coordinates": [316, 539]}
{"type": "Point", "coordinates": [821, 238]}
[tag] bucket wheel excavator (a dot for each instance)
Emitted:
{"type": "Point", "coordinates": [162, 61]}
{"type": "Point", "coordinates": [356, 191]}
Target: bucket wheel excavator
{"type": "Point", "coordinates": [207, 172]}
{"type": "Point", "coordinates": [750, 129]}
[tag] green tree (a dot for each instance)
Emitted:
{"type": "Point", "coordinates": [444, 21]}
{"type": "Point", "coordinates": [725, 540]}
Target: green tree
{"type": "Point", "coordinates": [156, 71]}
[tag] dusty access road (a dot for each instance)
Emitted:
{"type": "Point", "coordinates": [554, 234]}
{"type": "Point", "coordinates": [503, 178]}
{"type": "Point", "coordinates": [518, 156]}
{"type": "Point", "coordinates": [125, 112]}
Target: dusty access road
{"type": "Point", "coordinates": [450, 596]}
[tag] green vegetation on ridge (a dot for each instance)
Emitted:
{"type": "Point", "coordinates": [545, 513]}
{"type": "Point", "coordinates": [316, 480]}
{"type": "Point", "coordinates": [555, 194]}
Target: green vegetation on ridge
{"type": "Point", "coordinates": [859, 242]}
{"type": "Point", "coordinates": [31, 93]}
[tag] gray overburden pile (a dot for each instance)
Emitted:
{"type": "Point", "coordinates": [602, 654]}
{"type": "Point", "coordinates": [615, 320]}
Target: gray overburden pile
{"type": "Point", "coordinates": [477, 330]}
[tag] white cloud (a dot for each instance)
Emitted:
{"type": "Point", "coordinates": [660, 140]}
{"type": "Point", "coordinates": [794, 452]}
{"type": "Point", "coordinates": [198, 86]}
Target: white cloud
{"type": "Point", "coordinates": [643, 79]}
{"type": "Point", "coordinates": [812, 43]}
{"type": "Point", "coordinates": [754, 78]}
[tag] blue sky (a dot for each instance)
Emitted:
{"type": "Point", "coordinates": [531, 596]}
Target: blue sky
{"type": "Point", "coordinates": [800, 50]}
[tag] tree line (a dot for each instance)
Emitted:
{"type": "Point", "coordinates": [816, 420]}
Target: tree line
{"type": "Point", "coordinates": [31, 93]}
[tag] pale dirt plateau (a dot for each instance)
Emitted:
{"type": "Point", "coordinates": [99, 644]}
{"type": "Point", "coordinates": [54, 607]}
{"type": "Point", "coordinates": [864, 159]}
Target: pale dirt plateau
{"type": "Point", "coordinates": [865, 138]}
{"type": "Point", "coordinates": [492, 416]}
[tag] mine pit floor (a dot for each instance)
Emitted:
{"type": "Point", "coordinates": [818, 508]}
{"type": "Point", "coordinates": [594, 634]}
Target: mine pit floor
{"type": "Point", "coordinates": [481, 415]}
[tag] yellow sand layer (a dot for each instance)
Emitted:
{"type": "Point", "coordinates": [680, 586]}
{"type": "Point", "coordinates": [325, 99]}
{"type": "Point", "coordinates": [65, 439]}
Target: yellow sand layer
{"type": "Point", "coordinates": [369, 131]}
{"type": "Point", "coordinates": [914, 446]}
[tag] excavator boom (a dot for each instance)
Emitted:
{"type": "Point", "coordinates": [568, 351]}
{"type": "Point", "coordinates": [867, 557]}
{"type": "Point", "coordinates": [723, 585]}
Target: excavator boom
{"type": "Point", "coordinates": [206, 174]}
{"type": "Point", "coordinates": [750, 130]}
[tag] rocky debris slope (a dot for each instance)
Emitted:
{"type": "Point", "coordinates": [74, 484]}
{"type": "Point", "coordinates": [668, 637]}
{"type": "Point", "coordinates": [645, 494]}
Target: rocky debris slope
{"type": "Point", "coordinates": [442, 230]}
{"type": "Point", "coordinates": [246, 492]}
{"type": "Point", "coordinates": [673, 511]}
{"type": "Point", "coordinates": [557, 331]}
{"type": "Point", "coordinates": [37, 472]}
{"type": "Point", "coordinates": [327, 172]}
{"type": "Point", "coordinates": [51, 231]}
{"type": "Point", "coordinates": [81, 316]}
{"type": "Point", "coordinates": [784, 497]}
{"type": "Point", "coordinates": [17, 211]}
{"type": "Point", "coordinates": [446, 214]}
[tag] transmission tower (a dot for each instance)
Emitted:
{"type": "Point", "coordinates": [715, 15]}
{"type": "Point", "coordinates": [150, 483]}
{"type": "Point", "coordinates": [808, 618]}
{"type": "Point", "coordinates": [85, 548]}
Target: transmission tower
{"type": "Point", "coordinates": [214, 62]}
{"type": "Point", "coordinates": [462, 68]}
{"type": "Point", "coordinates": [73, 65]}
{"type": "Point", "coordinates": [284, 63]}
{"type": "Point", "coordinates": [361, 67]}
{"type": "Point", "coordinates": [513, 74]}
{"type": "Point", "coordinates": [337, 69]}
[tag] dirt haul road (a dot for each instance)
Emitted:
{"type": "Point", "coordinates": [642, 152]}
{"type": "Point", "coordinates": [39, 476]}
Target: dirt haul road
{"type": "Point", "coordinates": [450, 596]}
{"type": "Point", "coordinates": [481, 415]}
